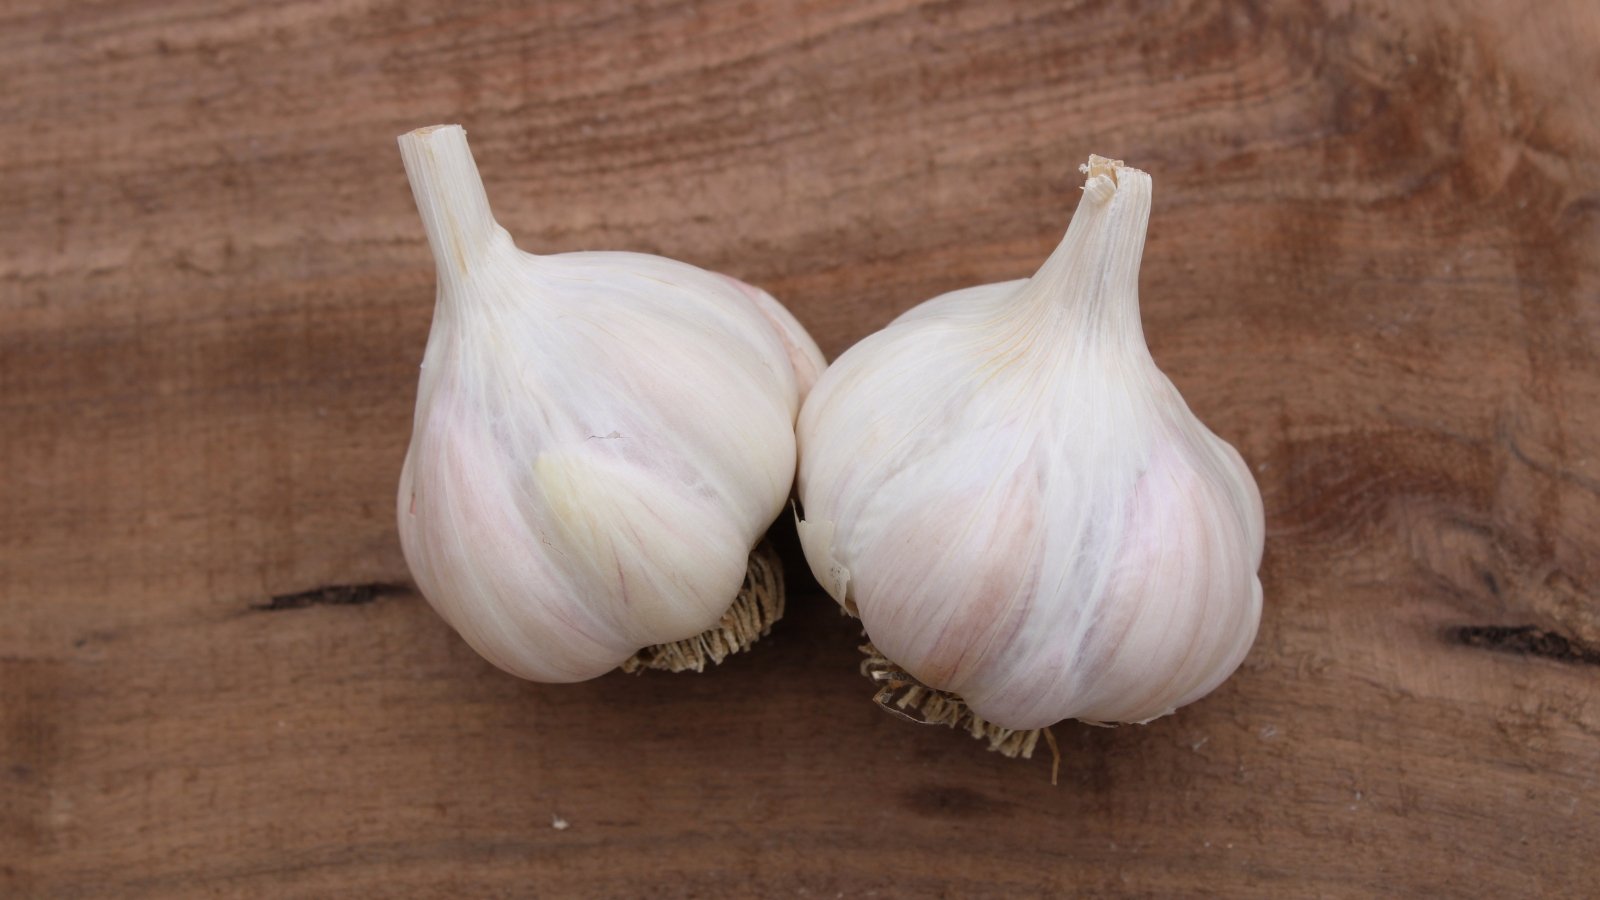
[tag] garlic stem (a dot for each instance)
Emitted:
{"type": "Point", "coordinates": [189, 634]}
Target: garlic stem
{"type": "Point", "coordinates": [1094, 274]}
{"type": "Point", "coordinates": [450, 197]}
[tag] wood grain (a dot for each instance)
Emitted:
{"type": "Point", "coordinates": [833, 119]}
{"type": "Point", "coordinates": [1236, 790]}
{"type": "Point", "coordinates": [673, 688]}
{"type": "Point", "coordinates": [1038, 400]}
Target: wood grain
{"type": "Point", "coordinates": [1374, 266]}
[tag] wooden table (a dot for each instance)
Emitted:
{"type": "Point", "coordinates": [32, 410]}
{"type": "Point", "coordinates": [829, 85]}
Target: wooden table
{"type": "Point", "coordinates": [1374, 266]}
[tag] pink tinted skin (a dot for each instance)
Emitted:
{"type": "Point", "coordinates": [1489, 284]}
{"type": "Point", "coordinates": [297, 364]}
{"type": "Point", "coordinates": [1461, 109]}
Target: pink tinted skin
{"type": "Point", "coordinates": [803, 354]}
{"type": "Point", "coordinates": [974, 542]}
{"type": "Point", "coordinates": [464, 536]}
{"type": "Point", "coordinates": [1175, 618]}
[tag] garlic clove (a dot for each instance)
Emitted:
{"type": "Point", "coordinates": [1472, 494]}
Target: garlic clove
{"type": "Point", "coordinates": [1020, 507]}
{"type": "Point", "coordinates": [600, 441]}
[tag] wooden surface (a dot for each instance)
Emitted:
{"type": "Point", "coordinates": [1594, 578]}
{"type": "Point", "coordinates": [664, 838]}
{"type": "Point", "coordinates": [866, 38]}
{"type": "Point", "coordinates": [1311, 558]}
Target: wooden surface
{"type": "Point", "coordinates": [1374, 266]}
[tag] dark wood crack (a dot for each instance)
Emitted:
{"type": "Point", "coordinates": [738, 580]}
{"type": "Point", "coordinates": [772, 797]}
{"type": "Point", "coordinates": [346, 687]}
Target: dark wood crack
{"type": "Point", "coordinates": [329, 595]}
{"type": "Point", "coordinates": [1526, 640]}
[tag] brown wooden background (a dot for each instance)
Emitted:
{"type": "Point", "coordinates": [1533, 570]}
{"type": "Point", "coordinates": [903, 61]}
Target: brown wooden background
{"type": "Point", "coordinates": [1374, 265]}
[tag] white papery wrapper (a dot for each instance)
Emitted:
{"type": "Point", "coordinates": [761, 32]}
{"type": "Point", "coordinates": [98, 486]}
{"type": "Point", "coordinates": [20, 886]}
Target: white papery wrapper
{"type": "Point", "coordinates": [600, 439]}
{"type": "Point", "coordinates": [1019, 505]}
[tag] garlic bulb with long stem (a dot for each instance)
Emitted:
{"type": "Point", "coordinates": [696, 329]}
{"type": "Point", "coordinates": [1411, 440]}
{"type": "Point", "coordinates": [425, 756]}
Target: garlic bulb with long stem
{"type": "Point", "coordinates": [600, 440]}
{"type": "Point", "coordinates": [1019, 505]}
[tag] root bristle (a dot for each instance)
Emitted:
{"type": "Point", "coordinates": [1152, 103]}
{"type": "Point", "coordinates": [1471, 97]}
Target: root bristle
{"type": "Point", "coordinates": [758, 604]}
{"type": "Point", "coordinates": [904, 697]}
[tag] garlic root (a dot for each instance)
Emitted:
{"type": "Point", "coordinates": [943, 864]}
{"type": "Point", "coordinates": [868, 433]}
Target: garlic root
{"type": "Point", "coordinates": [905, 697]}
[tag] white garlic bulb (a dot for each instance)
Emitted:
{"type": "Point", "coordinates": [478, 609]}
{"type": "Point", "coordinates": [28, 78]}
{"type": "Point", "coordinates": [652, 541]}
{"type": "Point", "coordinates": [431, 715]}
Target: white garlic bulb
{"type": "Point", "coordinates": [599, 441]}
{"type": "Point", "coordinates": [1019, 505]}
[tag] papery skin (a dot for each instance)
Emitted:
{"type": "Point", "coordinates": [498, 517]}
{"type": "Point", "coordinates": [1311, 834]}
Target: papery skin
{"type": "Point", "coordinates": [600, 438]}
{"type": "Point", "coordinates": [1020, 506]}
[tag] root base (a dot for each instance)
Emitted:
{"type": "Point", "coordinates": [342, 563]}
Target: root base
{"type": "Point", "coordinates": [905, 697]}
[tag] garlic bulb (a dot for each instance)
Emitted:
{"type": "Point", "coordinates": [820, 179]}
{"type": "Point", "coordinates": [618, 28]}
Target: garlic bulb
{"type": "Point", "coordinates": [1019, 505]}
{"type": "Point", "coordinates": [600, 439]}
